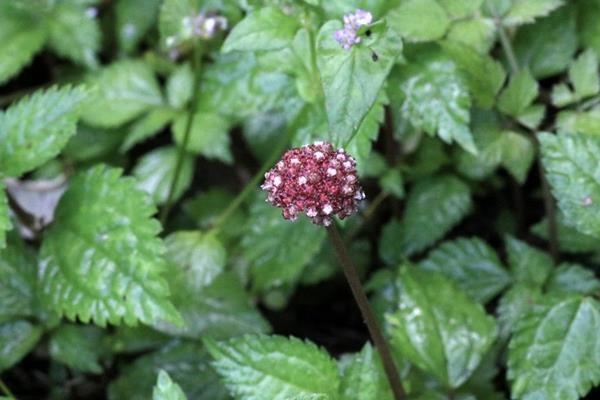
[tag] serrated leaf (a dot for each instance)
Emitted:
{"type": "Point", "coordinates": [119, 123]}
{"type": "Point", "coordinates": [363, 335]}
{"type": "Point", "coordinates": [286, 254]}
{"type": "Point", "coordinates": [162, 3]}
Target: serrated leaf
{"type": "Point", "coordinates": [267, 28]}
{"type": "Point", "coordinates": [180, 86]}
{"type": "Point", "coordinates": [101, 260]}
{"type": "Point", "coordinates": [573, 278]}
{"type": "Point", "coordinates": [352, 79]}
{"type": "Point", "coordinates": [21, 37]}
{"type": "Point", "coordinates": [73, 34]}
{"type": "Point", "coordinates": [438, 328]}
{"type": "Point", "coordinates": [155, 172]}
{"type": "Point", "coordinates": [134, 21]}
{"type": "Point", "coordinates": [554, 352]}
{"type": "Point", "coordinates": [5, 224]}
{"type": "Point", "coordinates": [419, 20]}
{"type": "Point", "coordinates": [433, 207]}
{"type": "Point", "coordinates": [570, 240]}
{"type": "Point", "coordinates": [201, 255]}
{"type": "Point", "coordinates": [522, 89]}
{"type": "Point", "coordinates": [363, 377]}
{"type": "Point", "coordinates": [526, 11]}
{"type": "Point", "coordinates": [34, 130]}
{"type": "Point", "coordinates": [528, 264]}
{"type": "Point", "coordinates": [124, 90]}
{"type": "Point", "coordinates": [18, 268]}
{"type": "Point", "coordinates": [483, 74]}
{"type": "Point", "coordinates": [188, 365]}
{"type": "Point", "coordinates": [516, 302]}
{"type": "Point", "coordinates": [570, 162]}
{"type": "Point", "coordinates": [472, 264]}
{"type": "Point", "coordinates": [278, 250]}
{"type": "Point", "coordinates": [166, 389]}
{"type": "Point", "coordinates": [209, 135]}
{"type": "Point", "coordinates": [149, 125]}
{"type": "Point", "coordinates": [255, 367]}
{"type": "Point", "coordinates": [79, 347]}
{"type": "Point", "coordinates": [436, 99]}
{"type": "Point", "coordinates": [17, 338]}
{"type": "Point", "coordinates": [547, 47]}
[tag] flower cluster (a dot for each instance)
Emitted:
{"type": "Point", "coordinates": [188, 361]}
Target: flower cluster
{"type": "Point", "coordinates": [316, 180]}
{"type": "Point", "coordinates": [205, 25]}
{"type": "Point", "coordinates": [348, 36]}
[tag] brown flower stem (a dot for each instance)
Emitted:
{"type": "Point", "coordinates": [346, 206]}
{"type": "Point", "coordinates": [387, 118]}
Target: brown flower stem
{"type": "Point", "coordinates": [367, 313]}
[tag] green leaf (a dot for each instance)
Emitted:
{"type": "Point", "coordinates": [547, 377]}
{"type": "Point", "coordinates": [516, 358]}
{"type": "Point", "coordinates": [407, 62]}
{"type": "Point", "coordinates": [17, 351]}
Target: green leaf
{"type": "Point", "coordinates": [352, 79]}
{"type": "Point", "coordinates": [483, 74]}
{"type": "Point", "coordinates": [209, 135]}
{"type": "Point", "coordinates": [587, 123]}
{"type": "Point", "coordinates": [555, 350]}
{"type": "Point", "coordinates": [188, 365]}
{"type": "Point", "coordinates": [472, 264]}
{"type": "Point", "coordinates": [133, 21]}
{"type": "Point", "coordinates": [101, 260]}
{"type": "Point", "coordinates": [201, 255]}
{"type": "Point", "coordinates": [570, 162]}
{"type": "Point", "coordinates": [460, 8]}
{"type": "Point", "coordinates": [433, 207]}
{"type": "Point", "coordinates": [5, 224]}
{"type": "Point", "coordinates": [583, 73]}
{"type": "Point", "coordinates": [419, 20]}
{"type": "Point", "coordinates": [438, 327]}
{"type": "Point", "coordinates": [180, 86]}
{"type": "Point", "coordinates": [17, 338]}
{"type": "Point", "coordinates": [528, 264]}
{"type": "Point", "coordinates": [363, 377]}
{"type": "Point", "coordinates": [587, 24]}
{"type": "Point", "coordinates": [125, 89]}
{"type": "Point", "coordinates": [526, 11]}
{"type": "Point", "coordinates": [166, 389]}
{"type": "Point", "coordinates": [173, 23]}
{"type": "Point", "coordinates": [267, 28]}
{"type": "Point", "coordinates": [79, 347]}
{"type": "Point", "coordinates": [92, 144]}
{"type": "Point", "coordinates": [257, 367]}
{"type": "Point", "coordinates": [570, 240]}
{"type": "Point", "coordinates": [149, 125]}
{"type": "Point", "coordinates": [519, 94]}
{"type": "Point", "coordinates": [573, 278]}
{"type": "Point", "coordinates": [477, 33]}
{"type": "Point", "coordinates": [547, 46]}
{"type": "Point", "coordinates": [155, 172]}
{"type": "Point", "coordinates": [436, 99]}
{"type": "Point", "coordinates": [518, 154]}
{"type": "Point", "coordinates": [21, 37]}
{"type": "Point", "coordinates": [514, 304]}
{"type": "Point", "coordinates": [73, 34]}
{"type": "Point", "coordinates": [18, 269]}
{"type": "Point", "coordinates": [278, 250]}
{"type": "Point", "coordinates": [34, 130]}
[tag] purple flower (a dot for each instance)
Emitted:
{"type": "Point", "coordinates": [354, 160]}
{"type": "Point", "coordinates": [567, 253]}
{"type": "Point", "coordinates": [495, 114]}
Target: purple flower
{"type": "Point", "coordinates": [348, 36]}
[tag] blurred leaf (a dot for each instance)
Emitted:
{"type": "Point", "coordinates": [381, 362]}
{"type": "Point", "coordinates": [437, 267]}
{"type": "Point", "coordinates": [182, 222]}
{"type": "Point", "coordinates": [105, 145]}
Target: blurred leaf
{"type": "Point", "coordinates": [18, 269]}
{"type": "Point", "coordinates": [583, 74]}
{"type": "Point", "coordinates": [278, 250]}
{"type": "Point", "coordinates": [209, 135]}
{"type": "Point", "coordinates": [17, 338]}
{"type": "Point", "coordinates": [133, 21]}
{"type": "Point", "coordinates": [392, 182]}
{"type": "Point", "coordinates": [438, 328]}
{"type": "Point", "coordinates": [206, 208]}
{"type": "Point", "coordinates": [419, 20]}
{"type": "Point", "coordinates": [124, 90]}
{"type": "Point", "coordinates": [547, 46]}
{"type": "Point", "coordinates": [21, 37]}
{"type": "Point", "coordinates": [584, 122]}
{"type": "Point", "coordinates": [92, 144]}
{"type": "Point", "coordinates": [571, 163]}
{"type": "Point", "coordinates": [73, 34]}
{"type": "Point", "coordinates": [516, 302]}
{"type": "Point", "coordinates": [155, 172]}
{"type": "Point", "coordinates": [5, 224]}
{"type": "Point", "coordinates": [275, 367]}
{"type": "Point", "coordinates": [436, 99]}
{"type": "Point", "coordinates": [460, 8]}
{"type": "Point", "coordinates": [265, 29]}
{"type": "Point", "coordinates": [528, 264]}
{"type": "Point", "coordinates": [101, 261]}
{"type": "Point", "coordinates": [519, 94]}
{"type": "Point", "coordinates": [526, 11]}
{"type": "Point", "coordinates": [180, 86]}
{"type": "Point", "coordinates": [570, 240]}
{"type": "Point", "coordinates": [472, 264]}
{"type": "Point", "coordinates": [127, 339]}
{"type": "Point", "coordinates": [79, 347]}
{"type": "Point", "coordinates": [172, 19]}
{"type": "Point", "coordinates": [587, 24]}
{"type": "Point", "coordinates": [363, 377]}
{"type": "Point", "coordinates": [166, 389]}
{"type": "Point", "coordinates": [149, 125]}
{"type": "Point", "coordinates": [477, 33]}
{"type": "Point", "coordinates": [187, 364]}
{"type": "Point", "coordinates": [554, 351]}
{"type": "Point", "coordinates": [352, 79]}
{"type": "Point", "coordinates": [573, 278]}
{"type": "Point", "coordinates": [35, 129]}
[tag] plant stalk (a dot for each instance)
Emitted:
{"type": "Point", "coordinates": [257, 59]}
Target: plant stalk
{"type": "Point", "coordinates": [367, 313]}
{"type": "Point", "coordinates": [6, 390]}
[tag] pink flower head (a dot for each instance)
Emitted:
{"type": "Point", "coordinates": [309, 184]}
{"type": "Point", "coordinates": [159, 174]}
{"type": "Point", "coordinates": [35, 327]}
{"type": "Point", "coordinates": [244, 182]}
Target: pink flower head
{"type": "Point", "coordinates": [316, 180]}
{"type": "Point", "coordinates": [348, 36]}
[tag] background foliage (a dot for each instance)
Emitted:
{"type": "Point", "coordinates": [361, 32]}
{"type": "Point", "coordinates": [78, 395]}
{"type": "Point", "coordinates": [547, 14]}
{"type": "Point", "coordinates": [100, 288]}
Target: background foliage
{"type": "Point", "coordinates": [138, 260]}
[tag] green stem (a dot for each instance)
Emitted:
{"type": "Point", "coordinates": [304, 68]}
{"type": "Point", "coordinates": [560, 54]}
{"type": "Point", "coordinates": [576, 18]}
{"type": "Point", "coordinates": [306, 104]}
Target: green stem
{"type": "Point", "coordinates": [367, 313]}
{"type": "Point", "coordinates": [507, 47]}
{"type": "Point", "coordinates": [196, 55]}
{"type": "Point", "coordinates": [6, 390]}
